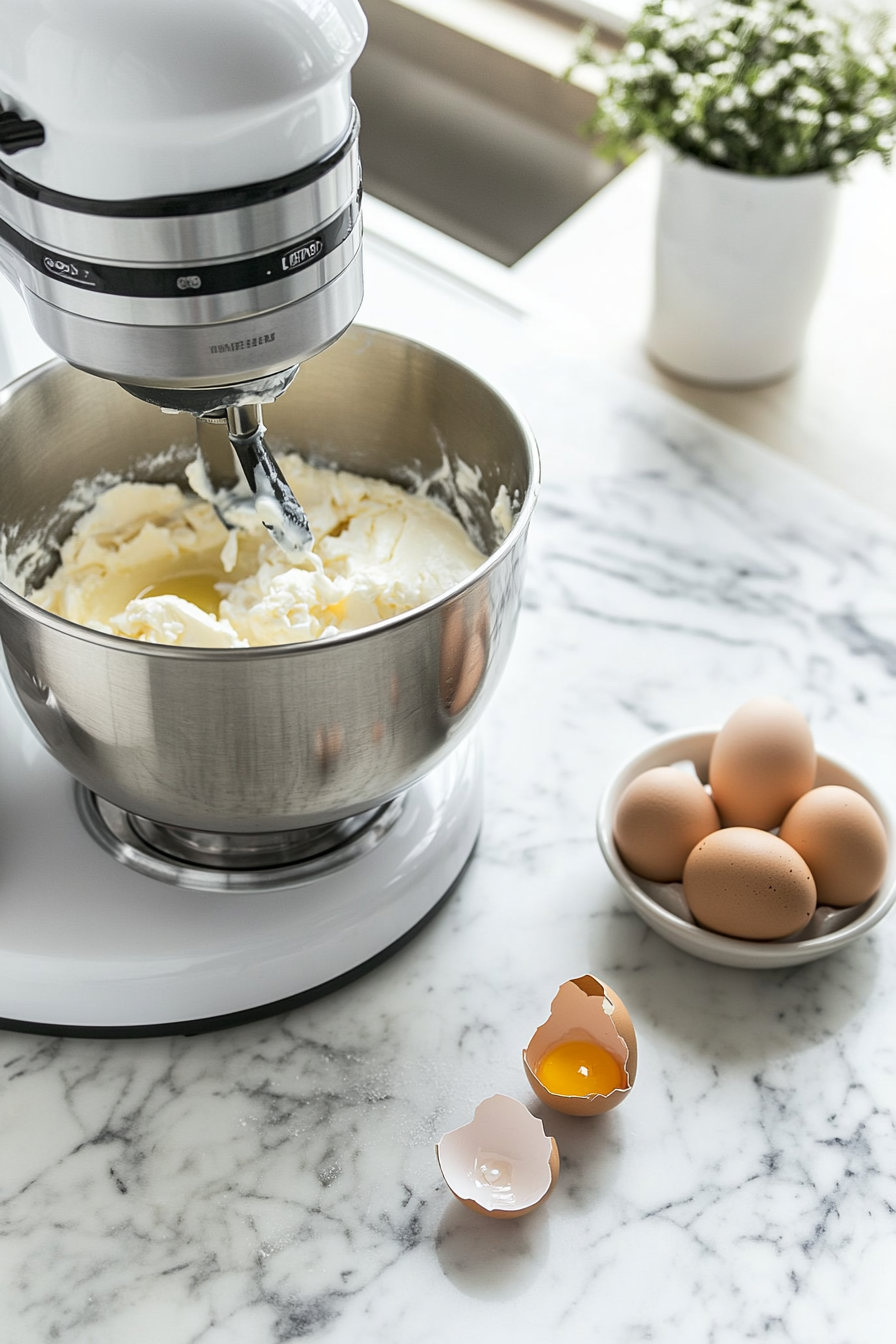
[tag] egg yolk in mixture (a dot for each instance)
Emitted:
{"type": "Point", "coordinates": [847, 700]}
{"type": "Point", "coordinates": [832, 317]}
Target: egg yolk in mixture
{"type": "Point", "coordinates": [580, 1069]}
{"type": "Point", "coordinates": [197, 587]}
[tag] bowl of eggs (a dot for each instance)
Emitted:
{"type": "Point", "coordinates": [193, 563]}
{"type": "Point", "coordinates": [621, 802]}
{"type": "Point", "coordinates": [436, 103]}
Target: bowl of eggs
{"type": "Point", "coordinates": [745, 846]}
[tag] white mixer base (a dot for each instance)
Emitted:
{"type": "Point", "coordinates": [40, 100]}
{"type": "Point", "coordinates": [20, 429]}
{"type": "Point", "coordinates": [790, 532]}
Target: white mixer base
{"type": "Point", "coordinates": [91, 948]}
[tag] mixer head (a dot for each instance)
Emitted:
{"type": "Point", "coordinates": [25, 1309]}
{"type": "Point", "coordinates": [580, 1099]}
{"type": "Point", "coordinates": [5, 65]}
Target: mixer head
{"type": "Point", "coordinates": [182, 214]}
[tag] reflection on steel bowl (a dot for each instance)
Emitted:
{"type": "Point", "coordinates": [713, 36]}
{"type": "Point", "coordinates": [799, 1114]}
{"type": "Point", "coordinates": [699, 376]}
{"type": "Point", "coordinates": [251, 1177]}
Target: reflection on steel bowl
{"type": "Point", "coordinates": [282, 737]}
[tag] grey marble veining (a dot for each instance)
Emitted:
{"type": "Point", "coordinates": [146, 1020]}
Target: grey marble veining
{"type": "Point", "coordinates": [277, 1182]}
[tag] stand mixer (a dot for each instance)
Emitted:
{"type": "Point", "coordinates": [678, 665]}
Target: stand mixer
{"type": "Point", "coordinates": [180, 211]}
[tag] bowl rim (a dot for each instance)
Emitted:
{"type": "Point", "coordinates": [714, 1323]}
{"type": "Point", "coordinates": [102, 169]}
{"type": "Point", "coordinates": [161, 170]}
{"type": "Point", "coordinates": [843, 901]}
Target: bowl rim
{"type": "Point", "coordinates": [24, 607]}
{"type": "Point", "coordinates": [728, 950]}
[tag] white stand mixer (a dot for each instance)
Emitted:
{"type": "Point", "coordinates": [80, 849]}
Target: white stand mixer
{"type": "Point", "coordinates": [180, 211]}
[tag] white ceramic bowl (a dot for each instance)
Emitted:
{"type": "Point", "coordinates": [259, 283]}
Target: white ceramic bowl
{"type": "Point", "coordinates": [662, 905]}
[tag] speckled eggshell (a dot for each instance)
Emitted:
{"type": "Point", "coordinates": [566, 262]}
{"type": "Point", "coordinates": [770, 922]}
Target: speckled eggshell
{"type": "Point", "coordinates": [661, 816]}
{"type": "Point", "coordinates": [843, 841]}
{"type": "Point", "coordinates": [747, 883]}
{"type": "Point", "coordinates": [762, 760]}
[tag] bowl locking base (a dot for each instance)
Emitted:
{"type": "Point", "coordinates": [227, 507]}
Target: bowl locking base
{"type": "Point", "coordinates": [210, 861]}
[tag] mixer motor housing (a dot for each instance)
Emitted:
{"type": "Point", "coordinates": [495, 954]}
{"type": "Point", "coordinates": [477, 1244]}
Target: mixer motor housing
{"type": "Point", "coordinates": [188, 227]}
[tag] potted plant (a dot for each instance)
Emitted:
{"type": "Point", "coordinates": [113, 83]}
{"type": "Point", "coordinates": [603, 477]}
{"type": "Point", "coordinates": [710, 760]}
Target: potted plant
{"type": "Point", "coordinates": [761, 109]}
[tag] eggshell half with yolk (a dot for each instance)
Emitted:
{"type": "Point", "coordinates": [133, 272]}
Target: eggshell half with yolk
{"type": "Point", "coordinates": [589, 1012]}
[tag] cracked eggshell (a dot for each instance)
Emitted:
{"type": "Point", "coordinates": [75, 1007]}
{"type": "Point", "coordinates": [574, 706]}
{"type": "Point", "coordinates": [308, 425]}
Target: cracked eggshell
{"type": "Point", "coordinates": [584, 1008]}
{"type": "Point", "coordinates": [502, 1163]}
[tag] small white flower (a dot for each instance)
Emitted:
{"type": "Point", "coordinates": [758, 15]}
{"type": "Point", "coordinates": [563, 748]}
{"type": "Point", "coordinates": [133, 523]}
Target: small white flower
{"type": "Point", "coordinates": [633, 50]}
{"type": "Point", "coordinates": [859, 123]}
{"type": "Point", "coordinates": [663, 63]}
{"type": "Point", "coordinates": [806, 117]}
{"type": "Point", "coordinates": [740, 96]}
{"type": "Point", "coordinates": [833, 119]}
{"type": "Point", "coordinates": [839, 157]}
{"type": "Point", "coordinates": [716, 149]}
{"type": "Point", "coordinates": [682, 83]}
{"type": "Point", "coordinates": [804, 93]}
{"type": "Point", "coordinates": [681, 116]}
{"type": "Point", "coordinates": [715, 48]}
{"type": "Point", "coordinates": [877, 66]}
{"type": "Point", "coordinates": [698, 133]}
{"type": "Point", "coordinates": [765, 83]}
{"type": "Point", "coordinates": [720, 69]}
{"type": "Point", "coordinates": [885, 142]}
{"type": "Point", "coordinates": [881, 108]}
{"type": "Point", "coordinates": [800, 61]}
{"type": "Point", "coordinates": [724, 104]}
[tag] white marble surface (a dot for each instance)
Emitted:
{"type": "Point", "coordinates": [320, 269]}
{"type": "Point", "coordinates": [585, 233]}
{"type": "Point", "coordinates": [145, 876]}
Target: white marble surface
{"type": "Point", "coordinates": [278, 1182]}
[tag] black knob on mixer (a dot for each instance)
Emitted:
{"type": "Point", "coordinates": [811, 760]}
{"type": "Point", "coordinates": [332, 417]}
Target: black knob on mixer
{"type": "Point", "coordinates": [16, 134]}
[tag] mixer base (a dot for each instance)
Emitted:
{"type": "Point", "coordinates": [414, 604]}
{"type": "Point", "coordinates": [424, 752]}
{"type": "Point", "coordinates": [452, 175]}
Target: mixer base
{"type": "Point", "coordinates": [89, 947]}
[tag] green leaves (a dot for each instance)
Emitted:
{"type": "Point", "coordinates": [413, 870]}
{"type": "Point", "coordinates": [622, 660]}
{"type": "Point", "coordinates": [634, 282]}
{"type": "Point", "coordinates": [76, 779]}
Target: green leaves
{"type": "Point", "coordinates": [770, 88]}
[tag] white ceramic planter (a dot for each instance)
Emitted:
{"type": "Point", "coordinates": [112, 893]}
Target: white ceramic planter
{"type": "Point", "coordinates": [739, 263]}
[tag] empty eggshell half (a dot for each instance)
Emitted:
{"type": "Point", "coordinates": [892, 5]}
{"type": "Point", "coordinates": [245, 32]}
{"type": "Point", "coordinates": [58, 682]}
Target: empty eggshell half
{"type": "Point", "coordinates": [502, 1163]}
{"type": "Point", "coordinates": [584, 1011]}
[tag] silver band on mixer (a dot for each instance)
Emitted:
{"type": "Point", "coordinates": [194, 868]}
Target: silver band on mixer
{"type": "Point", "coordinates": [241, 283]}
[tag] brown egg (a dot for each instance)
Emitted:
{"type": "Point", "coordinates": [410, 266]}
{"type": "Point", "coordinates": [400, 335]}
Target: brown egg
{"type": "Point", "coordinates": [661, 816]}
{"type": "Point", "coordinates": [749, 884]}
{"type": "Point", "coordinates": [843, 841]}
{"type": "Point", "coordinates": [762, 760]}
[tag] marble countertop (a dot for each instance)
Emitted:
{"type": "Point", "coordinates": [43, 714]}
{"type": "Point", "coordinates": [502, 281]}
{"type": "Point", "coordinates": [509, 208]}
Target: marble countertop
{"type": "Point", "coordinates": [277, 1182]}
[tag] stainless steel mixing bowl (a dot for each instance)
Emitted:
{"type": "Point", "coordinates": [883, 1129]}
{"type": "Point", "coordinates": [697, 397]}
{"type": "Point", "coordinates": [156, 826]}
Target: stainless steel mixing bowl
{"type": "Point", "coordinates": [271, 739]}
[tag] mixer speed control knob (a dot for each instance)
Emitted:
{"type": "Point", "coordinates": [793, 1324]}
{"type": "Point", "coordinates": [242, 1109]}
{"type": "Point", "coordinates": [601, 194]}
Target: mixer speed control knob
{"type": "Point", "coordinates": [16, 134]}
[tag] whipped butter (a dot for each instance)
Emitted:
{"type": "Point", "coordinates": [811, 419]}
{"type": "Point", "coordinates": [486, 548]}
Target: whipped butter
{"type": "Point", "coordinates": [152, 563]}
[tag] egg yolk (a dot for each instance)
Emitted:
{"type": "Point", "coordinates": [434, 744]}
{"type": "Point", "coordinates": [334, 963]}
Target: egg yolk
{"type": "Point", "coordinates": [197, 587]}
{"type": "Point", "coordinates": [580, 1069]}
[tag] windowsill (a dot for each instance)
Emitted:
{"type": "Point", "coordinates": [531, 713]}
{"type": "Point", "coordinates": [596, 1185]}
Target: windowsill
{"type": "Point", "coordinates": [836, 414]}
{"type": "Point", "coordinates": [468, 124]}
{"type": "Point", "coordinates": [541, 36]}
